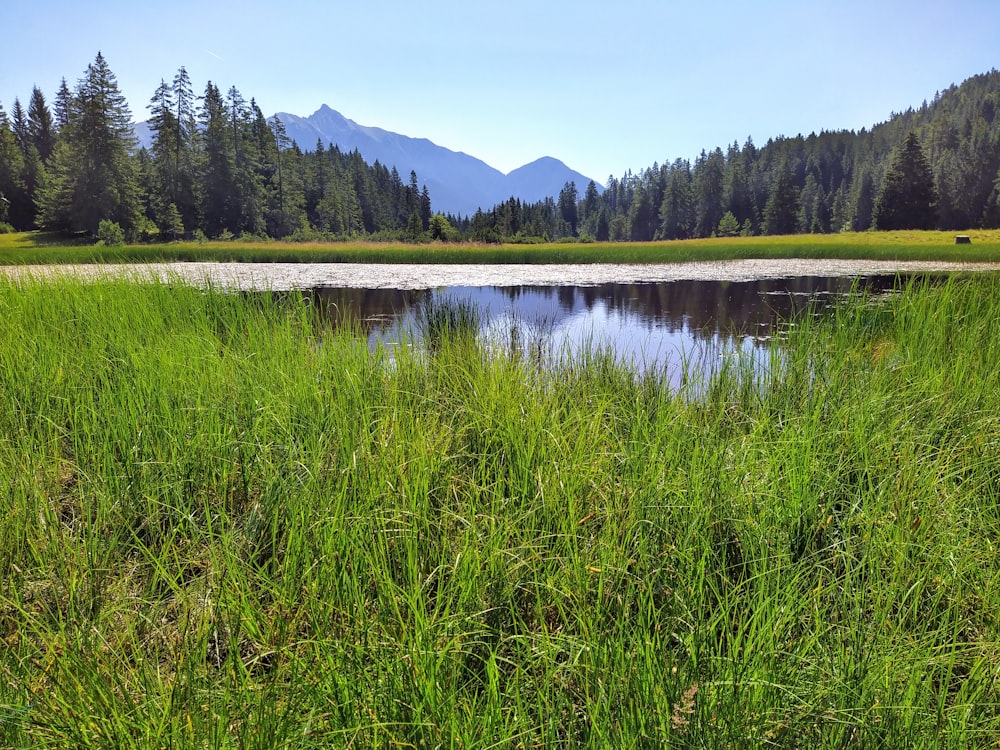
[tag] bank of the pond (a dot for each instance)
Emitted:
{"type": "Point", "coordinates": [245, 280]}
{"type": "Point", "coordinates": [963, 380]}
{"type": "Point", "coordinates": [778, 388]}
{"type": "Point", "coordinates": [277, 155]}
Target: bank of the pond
{"type": "Point", "coordinates": [47, 248]}
{"type": "Point", "coordinates": [279, 276]}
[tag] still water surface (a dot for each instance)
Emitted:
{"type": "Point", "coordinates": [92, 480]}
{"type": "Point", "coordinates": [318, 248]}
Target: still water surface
{"type": "Point", "coordinates": [651, 326]}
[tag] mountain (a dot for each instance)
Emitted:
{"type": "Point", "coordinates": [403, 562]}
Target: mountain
{"type": "Point", "coordinates": [544, 178]}
{"type": "Point", "coordinates": [458, 183]}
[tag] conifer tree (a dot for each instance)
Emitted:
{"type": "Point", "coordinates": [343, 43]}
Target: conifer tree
{"type": "Point", "coordinates": [63, 103]}
{"type": "Point", "coordinates": [677, 217]}
{"type": "Point", "coordinates": [709, 185]}
{"type": "Point", "coordinates": [93, 176]}
{"type": "Point", "coordinates": [908, 198]}
{"type": "Point", "coordinates": [216, 173]}
{"type": "Point", "coordinates": [568, 205]}
{"type": "Point", "coordinates": [41, 129]}
{"type": "Point", "coordinates": [781, 214]}
{"type": "Point", "coordinates": [425, 208]}
{"type": "Point", "coordinates": [12, 193]}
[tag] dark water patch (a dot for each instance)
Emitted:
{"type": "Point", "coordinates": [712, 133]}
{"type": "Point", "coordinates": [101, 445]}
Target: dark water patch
{"type": "Point", "coordinates": [664, 326]}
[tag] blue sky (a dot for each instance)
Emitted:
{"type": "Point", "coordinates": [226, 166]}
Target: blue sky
{"type": "Point", "coordinates": [603, 86]}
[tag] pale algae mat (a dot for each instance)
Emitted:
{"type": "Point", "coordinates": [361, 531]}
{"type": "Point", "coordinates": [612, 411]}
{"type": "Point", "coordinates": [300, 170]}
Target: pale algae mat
{"type": "Point", "coordinates": [280, 276]}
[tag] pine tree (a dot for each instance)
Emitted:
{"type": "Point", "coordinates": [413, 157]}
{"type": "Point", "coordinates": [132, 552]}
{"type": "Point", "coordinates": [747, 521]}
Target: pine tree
{"type": "Point", "coordinates": [41, 129]}
{"type": "Point", "coordinates": [185, 156]}
{"type": "Point", "coordinates": [709, 186]}
{"type": "Point", "coordinates": [94, 177]}
{"type": "Point", "coordinates": [781, 214]}
{"type": "Point", "coordinates": [63, 104]}
{"type": "Point", "coordinates": [642, 215]}
{"type": "Point", "coordinates": [216, 173]}
{"type": "Point", "coordinates": [729, 226]}
{"type": "Point", "coordinates": [425, 208]}
{"type": "Point", "coordinates": [568, 205]}
{"type": "Point", "coordinates": [286, 212]}
{"type": "Point", "coordinates": [908, 198]}
{"type": "Point", "coordinates": [12, 192]}
{"type": "Point", "coordinates": [163, 127]}
{"type": "Point", "coordinates": [19, 125]}
{"type": "Point", "coordinates": [677, 216]}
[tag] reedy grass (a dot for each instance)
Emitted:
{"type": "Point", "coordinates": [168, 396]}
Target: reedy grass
{"type": "Point", "coordinates": [42, 248]}
{"type": "Point", "coordinates": [228, 527]}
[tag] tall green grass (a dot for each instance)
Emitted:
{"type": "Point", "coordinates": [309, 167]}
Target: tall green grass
{"type": "Point", "coordinates": [42, 248]}
{"type": "Point", "coordinates": [228, 527]}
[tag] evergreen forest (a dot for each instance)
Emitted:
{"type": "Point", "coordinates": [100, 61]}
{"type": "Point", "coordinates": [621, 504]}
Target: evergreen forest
{"type": "Point", "coordinates": [217, 168]}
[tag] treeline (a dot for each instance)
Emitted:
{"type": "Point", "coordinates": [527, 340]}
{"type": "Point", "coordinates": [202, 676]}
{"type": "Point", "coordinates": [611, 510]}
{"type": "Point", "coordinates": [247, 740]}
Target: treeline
{"type": "Point", "coordinates": [829, 182]}
{"type": "Point", "coordinates": [216, 168]}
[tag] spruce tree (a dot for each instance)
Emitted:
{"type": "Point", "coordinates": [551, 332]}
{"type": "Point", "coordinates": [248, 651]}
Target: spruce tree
{"type": "Point", "coordinates": [217, 167]}
{"type": "Point", "coordinates": [677, 210]}
{"type": "Point", "coordinates": [41, 129]}
{"type": "Point", "coordinates": [93, 177]}
{"type": "Point", "coordinates": [163, 128]}
{"type": "Point", "coordinates": [63, 104]}
{"type": "Point", "coordinates": [908, 198]}
{"type": "Point", "coordinates": [709, 187]}
{"type": "Point", "coordinates": [781, 214]}
{"type": "Point", "coordinates": [568, 205]}
{"type": "Point", "coordinates": [12, 192]}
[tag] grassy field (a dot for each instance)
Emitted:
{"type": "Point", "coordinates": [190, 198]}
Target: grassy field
{"type": "Point", "coordinates": [227, 527]}
{"type": "Point", "coordinates": [34, 247]}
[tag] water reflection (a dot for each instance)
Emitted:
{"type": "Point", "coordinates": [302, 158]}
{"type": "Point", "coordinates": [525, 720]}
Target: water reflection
{"type": "Point", "coordinates": [647, 325]}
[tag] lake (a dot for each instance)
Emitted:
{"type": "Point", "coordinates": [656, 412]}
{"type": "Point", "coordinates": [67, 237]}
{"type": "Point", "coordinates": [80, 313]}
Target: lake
{"type": "Point", "coordinates": [651, 326]}
{"type": "Point", "coordinates": [650, 316]}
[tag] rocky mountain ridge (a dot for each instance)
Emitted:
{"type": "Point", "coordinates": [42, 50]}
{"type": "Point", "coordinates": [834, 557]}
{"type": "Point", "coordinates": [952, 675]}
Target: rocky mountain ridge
{"type": "Point", "coordinates": [458, 183]}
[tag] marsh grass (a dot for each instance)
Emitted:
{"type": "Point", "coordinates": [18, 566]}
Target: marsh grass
{"type": "Point", "coordinates": [42, 248]}
{"type": "Point", "coordinates": [439, 321]}
{"type": "Point", "coordinates": [220, 533]}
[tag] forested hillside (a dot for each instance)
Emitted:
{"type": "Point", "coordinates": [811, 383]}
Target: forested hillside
{"type": "Point", "coordinates": [218, 168]}
{"type": "Point", "coordinates": [820, 183]}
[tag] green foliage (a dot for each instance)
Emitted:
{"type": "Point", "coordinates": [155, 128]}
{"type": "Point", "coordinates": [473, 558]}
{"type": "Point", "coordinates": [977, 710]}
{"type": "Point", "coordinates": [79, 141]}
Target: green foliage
{"type": "Point", "coordinates": [442, 322]}
{"type": "Point", "coordinates": [110, 233]}
{"type": "Point", "coordinates": [217, 528]}
{"type": "Point", "coordinates": [821, 183]}
{"type": "Point", "coordinates": [414, 226]}
{"type": "Point", "coordinates": [908, 198]}
{"type": "Point", "coordinates": [728, 226]}
{"type": "Point", "coordinates": [170, 223]}
{"type": "Point", "coordinates": [441, 229]}
{"type": "Point", "coordinates": [781, 213]}
{"type": "Point", "coordinates": [93, 174]}
{"type": "Point", "coordinates": [568, 206]}
{"type": "Point", "coordinates": [219, 165]}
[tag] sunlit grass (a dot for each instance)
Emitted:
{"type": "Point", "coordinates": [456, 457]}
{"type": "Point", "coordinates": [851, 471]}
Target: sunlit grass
{"type": "Point", "coordinates": [907, 245]}
{"type": "Point", "coordinates": [228, 527]}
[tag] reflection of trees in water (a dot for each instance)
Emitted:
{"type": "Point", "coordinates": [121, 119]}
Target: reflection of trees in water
{"type": "Point", "coordinates": [369, 309]}
{"type": "Point", "coordinates": [709, 308]}
{"type": "Point", "coordinates": [704, 309]}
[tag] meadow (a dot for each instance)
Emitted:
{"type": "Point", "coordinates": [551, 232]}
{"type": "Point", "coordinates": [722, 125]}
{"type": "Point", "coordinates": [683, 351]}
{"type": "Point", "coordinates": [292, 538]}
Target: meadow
{"type": "Point", "coordinates": [228, 526]}
{"type": "Point", "coordinates": [37, 247]}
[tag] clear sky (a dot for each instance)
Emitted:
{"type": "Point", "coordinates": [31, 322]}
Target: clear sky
{"type": "Point", "coordinates": [603, 86]}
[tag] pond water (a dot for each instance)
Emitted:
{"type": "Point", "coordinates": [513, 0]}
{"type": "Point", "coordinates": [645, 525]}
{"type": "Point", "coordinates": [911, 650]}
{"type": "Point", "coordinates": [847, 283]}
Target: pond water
{"type": "Point", "coordinates": [647, 325]}
{"type": "Point", "coordinates": [653, 317]}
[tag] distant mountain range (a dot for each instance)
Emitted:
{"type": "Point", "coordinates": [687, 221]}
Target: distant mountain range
{"type": "Point", "coordinates": [458, 183]}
